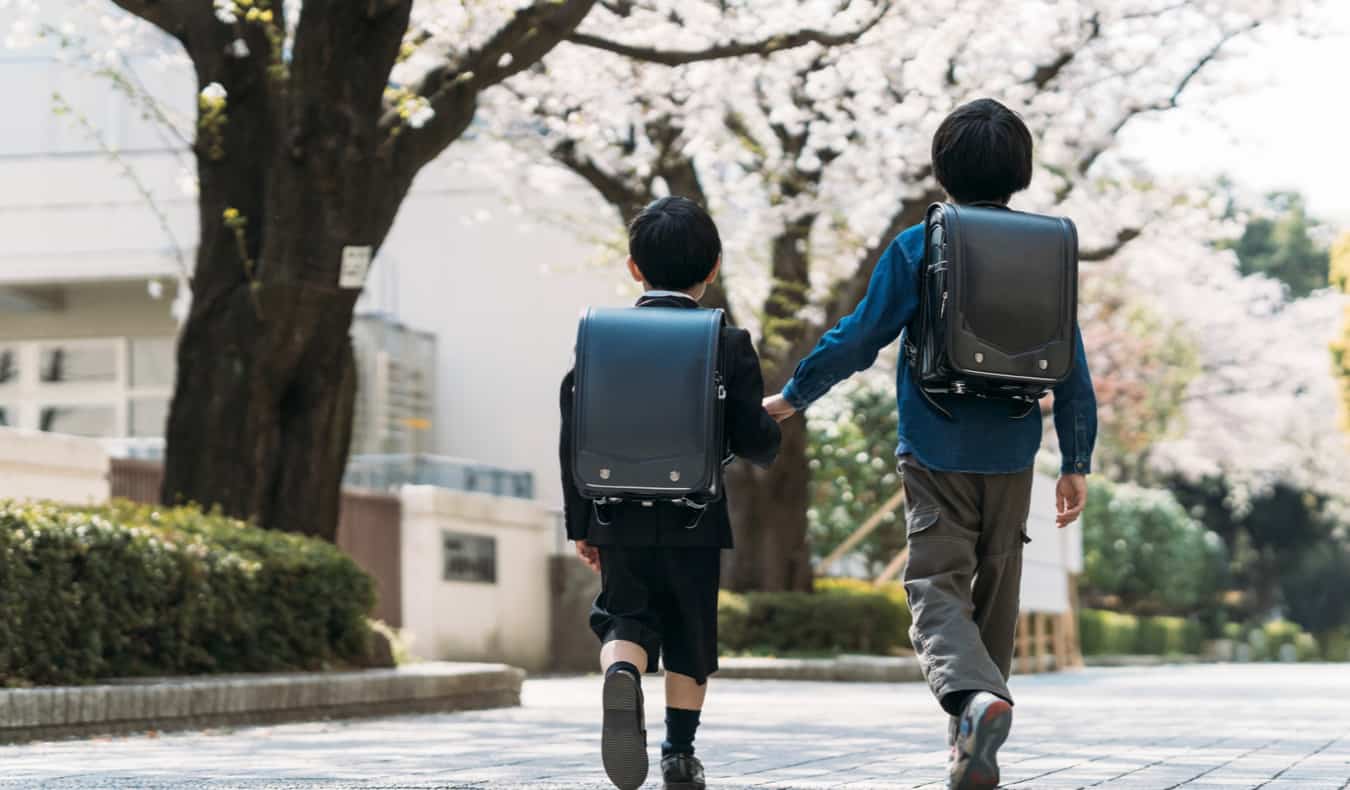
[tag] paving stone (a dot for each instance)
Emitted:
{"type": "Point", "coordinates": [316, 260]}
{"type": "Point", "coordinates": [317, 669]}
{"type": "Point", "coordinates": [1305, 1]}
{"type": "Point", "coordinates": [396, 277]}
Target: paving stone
{"type": "Point", "coordinates": [1200, 728]}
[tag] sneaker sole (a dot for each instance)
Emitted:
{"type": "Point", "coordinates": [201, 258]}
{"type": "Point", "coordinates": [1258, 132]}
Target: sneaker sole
{"type": "Point", "coordinates": [988, 735]}
{"type": "Point", "coordinates": [623, 743]}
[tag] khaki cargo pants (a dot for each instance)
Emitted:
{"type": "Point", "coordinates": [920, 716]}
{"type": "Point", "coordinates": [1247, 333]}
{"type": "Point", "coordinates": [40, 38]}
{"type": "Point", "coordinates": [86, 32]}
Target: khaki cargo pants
{"type": "Point", "coordinates": [964, 572]}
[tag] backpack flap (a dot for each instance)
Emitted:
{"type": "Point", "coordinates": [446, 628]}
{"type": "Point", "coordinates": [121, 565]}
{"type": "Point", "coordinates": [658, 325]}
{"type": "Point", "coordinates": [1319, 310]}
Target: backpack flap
{"type": "Point", "coordinates": [1014, 283]}
{"type": "Point", "coordinates": [647, 413]}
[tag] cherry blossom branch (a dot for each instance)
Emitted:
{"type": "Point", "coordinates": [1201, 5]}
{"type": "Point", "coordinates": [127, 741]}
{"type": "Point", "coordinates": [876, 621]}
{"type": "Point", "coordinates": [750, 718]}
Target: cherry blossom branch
{"type": "Point", "coordinates": [452, 89]}
{"type": "Point", "coordinates": [171, 16]}
{"type": "Point", "coordinates": [734, 49]}
{"type": "Point", "coordinates": [1046, 73]}
{"type": "Point", "coordinates": [1123, 237]}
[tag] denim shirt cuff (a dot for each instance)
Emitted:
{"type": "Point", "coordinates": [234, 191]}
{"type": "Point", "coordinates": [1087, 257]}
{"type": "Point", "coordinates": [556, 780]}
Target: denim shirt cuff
{"type": "Point", "coordinates": [1076, 466]}
{"type": "Point", "coordinates": [792, 396]}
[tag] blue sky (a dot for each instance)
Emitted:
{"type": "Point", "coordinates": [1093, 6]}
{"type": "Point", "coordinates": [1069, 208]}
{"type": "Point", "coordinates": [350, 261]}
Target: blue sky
{"type": "Point", "coordinates": [1291, 130]}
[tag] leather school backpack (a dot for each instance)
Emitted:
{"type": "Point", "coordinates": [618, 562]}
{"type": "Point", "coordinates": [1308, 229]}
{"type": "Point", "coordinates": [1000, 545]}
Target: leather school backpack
{"type": "Point", "coordinates": [998, 303]}
{"type": "Point", "coordinates": [649, 403]}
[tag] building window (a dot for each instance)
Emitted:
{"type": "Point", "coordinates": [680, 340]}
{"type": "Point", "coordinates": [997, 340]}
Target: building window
{"type": "Point", "coordinates": [469, 558]}
{"type": "Point", "coordinates": [8, 417]}
{"type": "Point", "coordinates": [78, 363]}
{"type": "Point", "coordinates": [152, 362]}
{"type": "Point", "coordinates": [9, 366]}
{"type": "Point", "coordinates": [149, 417]}
{"type": "Point", "coordinates": [80, 420]}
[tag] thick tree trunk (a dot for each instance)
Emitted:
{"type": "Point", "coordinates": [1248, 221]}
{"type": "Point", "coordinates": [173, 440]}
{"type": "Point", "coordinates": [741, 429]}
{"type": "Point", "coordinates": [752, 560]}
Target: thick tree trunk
{"type": "Point", "coordinates": [261, 423]}
{"type": "Point", "coordinates": [768, 517]}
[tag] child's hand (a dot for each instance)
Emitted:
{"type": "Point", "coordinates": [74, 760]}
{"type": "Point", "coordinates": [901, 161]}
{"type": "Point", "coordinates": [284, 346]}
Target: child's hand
{"type": "Point", "coordinates": [1070, 499]}
{"type": "Point", "coordinates": [778, 407]}
{"type": "Point", "coordinates": [589, 555]}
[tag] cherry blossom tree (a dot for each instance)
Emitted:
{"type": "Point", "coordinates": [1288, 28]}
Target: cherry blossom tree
{"type": "Point", "coordinates": [814, 159]}
{"type": "Point", "coordinates": [313, 119]}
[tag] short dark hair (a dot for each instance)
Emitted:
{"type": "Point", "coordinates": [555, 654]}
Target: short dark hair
{"type": "Point", "coordinates": [982, 152]}
{"type": "Point", "coordinates": [674, 243]}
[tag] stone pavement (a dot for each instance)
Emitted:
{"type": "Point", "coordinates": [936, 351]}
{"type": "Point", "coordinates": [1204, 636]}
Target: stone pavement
{"type": "Point", "coordinates": [1197, 727]}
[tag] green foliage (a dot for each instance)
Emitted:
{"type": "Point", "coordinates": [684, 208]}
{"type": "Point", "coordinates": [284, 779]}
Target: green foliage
{"type": "Point", "coordinates": [1143, 552]}
{"type": "Point", "coordinates": [852, 460]}
{"type": "Point", "coordinates": [1317, 588]}
{"type": "Point", "coordinates": [129, 590]}
{"type": "Point", "coordinates": [1280, 243]}
{"type": "Point", "coordinates": [841, 616]}
{"type": "Point", "coordinates": [1104, 633]}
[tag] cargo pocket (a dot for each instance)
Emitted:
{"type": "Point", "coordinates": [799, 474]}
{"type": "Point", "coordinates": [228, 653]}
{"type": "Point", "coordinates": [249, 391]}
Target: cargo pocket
{"type": "Point", "coordinates": [920, 519]}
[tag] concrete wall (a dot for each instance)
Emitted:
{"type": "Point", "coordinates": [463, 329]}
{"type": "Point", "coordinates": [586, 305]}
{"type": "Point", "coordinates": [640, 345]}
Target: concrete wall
{"type": "Point", "coordinates": [504, 621]}
{"type": "Point", "coordinates": [50, 466]}
{"type": "Point", "coordinates": [92, 310]}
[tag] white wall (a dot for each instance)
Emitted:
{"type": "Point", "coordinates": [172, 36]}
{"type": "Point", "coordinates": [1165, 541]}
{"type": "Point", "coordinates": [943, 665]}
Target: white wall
{"type": "Point", "coordinates": [503, 297]}
{"type": "Point", "coordinates": [506, 621]}
{"type": "Point", "coordinates": [51, 466]}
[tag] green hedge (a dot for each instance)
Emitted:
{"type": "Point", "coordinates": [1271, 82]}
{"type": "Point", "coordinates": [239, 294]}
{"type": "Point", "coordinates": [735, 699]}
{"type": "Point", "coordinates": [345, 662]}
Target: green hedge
{"type": "Point", "coordinates": [841, 616]}
{"type": "Point", "coordinates": [1113, 633]}
{"type": "Point", "coordinates": [129, 590]}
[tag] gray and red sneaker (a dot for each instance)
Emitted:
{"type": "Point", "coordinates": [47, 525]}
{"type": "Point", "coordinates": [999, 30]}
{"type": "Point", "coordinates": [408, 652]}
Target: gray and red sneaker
{"type": "Point", "coordinates": [980, 732]}
{"type": "Point", "coordinates": [623, 741]}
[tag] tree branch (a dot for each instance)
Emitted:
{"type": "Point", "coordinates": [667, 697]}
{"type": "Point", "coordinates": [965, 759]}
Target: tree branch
{"type": "Point", "coordinates": [1047, 72]}
{"type": "Point", "coordinates": [735, 49]}
{"type": "Point", "coordinates": [1123, 237]}
{"type": "Point", "coordinates": [171, 16]}
{"type": "Point", "coordinates": [453, 87]}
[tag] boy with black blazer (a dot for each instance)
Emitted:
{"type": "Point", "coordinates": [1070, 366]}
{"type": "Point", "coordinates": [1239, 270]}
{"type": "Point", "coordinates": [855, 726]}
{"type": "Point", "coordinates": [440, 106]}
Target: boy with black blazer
{"type": "Point", "coordinates": [659, 562]}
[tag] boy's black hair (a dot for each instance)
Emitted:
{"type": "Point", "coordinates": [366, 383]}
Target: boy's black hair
{"type": "Point", "coordinates": [674, 243]}
{"type": "Point", "coordinates": [982, 152]}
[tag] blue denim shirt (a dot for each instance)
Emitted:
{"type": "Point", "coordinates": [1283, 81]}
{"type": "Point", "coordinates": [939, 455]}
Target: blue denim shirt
{"type": "Point", "coordinates": [983, 438]}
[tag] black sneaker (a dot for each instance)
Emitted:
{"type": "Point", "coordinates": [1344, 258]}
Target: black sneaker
{"type": "Point", "coordinates": [682, 772]}
{"type": "Point", "coordinates": [983, 728]}
{"type": "Point", "coordinates": [623, 741]}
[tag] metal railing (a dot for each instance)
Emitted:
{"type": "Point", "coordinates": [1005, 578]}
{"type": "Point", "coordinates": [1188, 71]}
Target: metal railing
{"type": "Point", "coordinates": [387, 472]}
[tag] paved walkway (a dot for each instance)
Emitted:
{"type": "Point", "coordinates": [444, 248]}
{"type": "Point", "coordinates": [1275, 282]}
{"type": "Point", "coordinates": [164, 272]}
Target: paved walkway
{"type": "Point", "coordinates": [1211, 727]}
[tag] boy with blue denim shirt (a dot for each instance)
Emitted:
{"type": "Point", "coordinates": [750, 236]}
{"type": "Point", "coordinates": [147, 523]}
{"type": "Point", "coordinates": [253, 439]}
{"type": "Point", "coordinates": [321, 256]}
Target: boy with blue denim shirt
{"type": "Point", "coordinates": [967, 481]}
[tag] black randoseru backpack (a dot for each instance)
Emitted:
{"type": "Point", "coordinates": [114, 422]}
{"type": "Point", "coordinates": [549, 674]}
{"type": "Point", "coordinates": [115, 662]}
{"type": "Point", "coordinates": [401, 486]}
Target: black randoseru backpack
{"type": "Point", "coordinates": [998, 302]}
{"type": "Point", "coordinates": [649, 404]}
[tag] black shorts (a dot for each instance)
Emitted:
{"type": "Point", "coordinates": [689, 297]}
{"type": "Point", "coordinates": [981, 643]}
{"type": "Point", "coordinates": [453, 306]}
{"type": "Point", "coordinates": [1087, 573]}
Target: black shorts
{"type": "Point", "coordinates": [664, 599]}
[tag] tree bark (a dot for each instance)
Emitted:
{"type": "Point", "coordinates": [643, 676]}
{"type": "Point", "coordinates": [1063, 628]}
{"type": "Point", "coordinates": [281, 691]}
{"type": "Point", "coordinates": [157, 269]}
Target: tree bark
{"type": "Point", "coordinates": [768, 517]}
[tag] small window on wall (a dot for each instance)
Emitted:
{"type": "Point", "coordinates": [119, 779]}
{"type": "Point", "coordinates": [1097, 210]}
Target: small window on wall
{"type": "Point", "coordinates": [9, 417]}
{"type": "Point", "coordinates": [149, 417]}
{"type": "Point", "coordinates": [469, 558]}
{"type": "Point", "coordinates": [78, 363]}
{"type": "Point", "coordinates": [96, 420]}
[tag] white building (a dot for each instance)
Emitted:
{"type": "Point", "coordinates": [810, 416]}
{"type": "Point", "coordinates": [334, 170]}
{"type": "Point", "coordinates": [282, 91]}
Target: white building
{"type": "Point", "coordinates": [90, 266]}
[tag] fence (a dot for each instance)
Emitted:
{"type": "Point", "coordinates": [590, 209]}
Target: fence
{"type": "Point", "coordinates": [388, 472]}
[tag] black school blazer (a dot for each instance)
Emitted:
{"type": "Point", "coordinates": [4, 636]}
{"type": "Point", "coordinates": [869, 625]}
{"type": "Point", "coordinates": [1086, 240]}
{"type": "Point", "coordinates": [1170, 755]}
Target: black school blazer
{"type": "Point", "coordinates": [753, 434]}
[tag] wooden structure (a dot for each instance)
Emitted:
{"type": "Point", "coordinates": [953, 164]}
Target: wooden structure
{"type": "Point", "coordinates": [1047, 630]}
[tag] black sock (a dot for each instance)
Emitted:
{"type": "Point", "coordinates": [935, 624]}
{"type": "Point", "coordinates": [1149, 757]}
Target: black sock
{"type": "Point", "coordinates": [955, 702]}
{"type": "Point", "coordinates": [624, 666]}
{"type": "Point", "coordinates": [680, 727]}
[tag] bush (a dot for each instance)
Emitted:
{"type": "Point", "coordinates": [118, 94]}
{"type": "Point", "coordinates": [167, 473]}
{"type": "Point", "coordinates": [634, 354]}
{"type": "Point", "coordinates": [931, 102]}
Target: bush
{"type": "Point", "coordinates": [1140, 547]}
{"type": "Point", "coordinates": [1112, 633]}
{"type": "Point", "coordinates": [128, 590]}
{"type": "Point", "coordinates": [841, 616]}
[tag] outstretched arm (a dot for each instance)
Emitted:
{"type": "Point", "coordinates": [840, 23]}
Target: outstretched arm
{"type": "Point", "coordinates": [853, 344]}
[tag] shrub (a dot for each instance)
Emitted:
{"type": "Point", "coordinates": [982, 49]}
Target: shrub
{"type": "Point", "coordinates": [130, 590]}
{"type": "Point", "coordinates": [1141, 547]}
{"type": "Point", "coordinates": [841, 616]}
{"type": "Point", "coordinates": [1107, 633]}
{"type": "Point", "coordinates": [1114, 633]}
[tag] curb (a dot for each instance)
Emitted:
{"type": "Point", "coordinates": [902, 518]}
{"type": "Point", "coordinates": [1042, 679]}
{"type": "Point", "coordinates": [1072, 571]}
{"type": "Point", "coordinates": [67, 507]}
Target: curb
{"type": "Point", "coordinates": [842, 669]}
{"type": "Point", "coordinates": [139, 705]}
